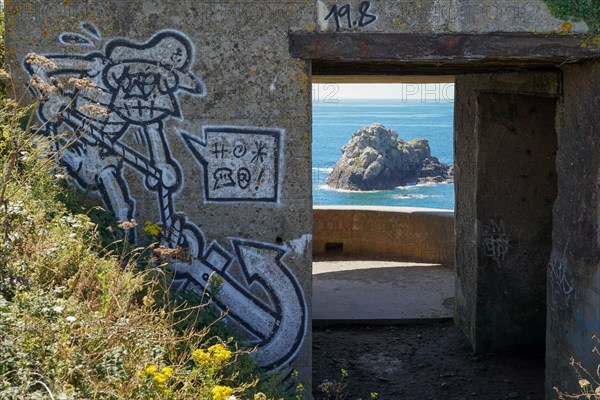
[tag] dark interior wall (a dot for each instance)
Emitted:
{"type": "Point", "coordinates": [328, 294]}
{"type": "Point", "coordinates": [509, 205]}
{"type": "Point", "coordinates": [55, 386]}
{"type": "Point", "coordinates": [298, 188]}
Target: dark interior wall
{"type": "Point", "coordinates": [516, 190]}
{"type": "Point", "coordinates": [573, 277]}
{"type": "Point", "coordinates": [505, 145]}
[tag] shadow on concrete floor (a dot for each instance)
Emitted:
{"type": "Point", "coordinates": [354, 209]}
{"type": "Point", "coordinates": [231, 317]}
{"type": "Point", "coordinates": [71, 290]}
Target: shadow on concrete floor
{"type": "Point", "coordinates": [430, 361]}
{"type": "Point", "coordinates": [353, 291]}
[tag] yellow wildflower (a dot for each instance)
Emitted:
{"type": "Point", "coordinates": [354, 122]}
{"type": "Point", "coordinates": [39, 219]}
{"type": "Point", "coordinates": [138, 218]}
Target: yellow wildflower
{"type": "Point", "coordinates": [160, 378]}
{"type": "Point", "coordinates": [566, 26]}
{"type": "Point", "coordinates": [219, 353]}
{"type": "Point", "coordinates": [584, 383]}
{"type": "Point", "coordinates": [151, 369]}
{"type": "Point", "coordinates": [216, 281]}
{"type": "Point", "coordinates": [201, 357]}
{"type": "Point", "coordinates": [214, 356]}
{"type": "Point", "coordinates": [221, 392]}
{"type": "Point", "coordinates": [152, 229]}
{"type": "Point", "coordinates": [167, 371]}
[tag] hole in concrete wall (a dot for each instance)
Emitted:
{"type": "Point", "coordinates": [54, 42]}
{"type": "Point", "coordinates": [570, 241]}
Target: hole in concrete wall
{"type": "Point", "coordinates": [515, 188]}
{"type": "Point", "coordinates": [519, 176]}
{"type": "Point", "coordinates": [481, 252]}
{"type": "Point", "coordinates": [334, 249]}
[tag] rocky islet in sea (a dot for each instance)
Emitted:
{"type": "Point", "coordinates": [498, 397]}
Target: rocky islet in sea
{"type": "Point", "coordinates": [376, 159]}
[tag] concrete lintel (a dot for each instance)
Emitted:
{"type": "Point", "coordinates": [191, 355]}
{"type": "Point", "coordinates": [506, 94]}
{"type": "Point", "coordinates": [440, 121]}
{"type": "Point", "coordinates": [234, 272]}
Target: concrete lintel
{"type": "Point", "coordinates": [436, 54]}
{"type": "Point", "coordinates": [437, 47]}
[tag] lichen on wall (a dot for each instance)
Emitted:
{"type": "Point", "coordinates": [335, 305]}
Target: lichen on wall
{"type": "Point", "coordinates": [588, 11]}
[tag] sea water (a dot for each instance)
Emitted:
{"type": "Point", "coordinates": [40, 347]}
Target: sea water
{"type": "Point", "coordinates": [335, 122]}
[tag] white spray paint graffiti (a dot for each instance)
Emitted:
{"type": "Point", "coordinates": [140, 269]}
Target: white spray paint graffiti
{"type": "Point", "coordinates": [495, 241]}
{"type": "Point", "coordinates": [559, 273]}
{"type": "Point", "coordinates": [562, 294]}
{"type": "Point", "coordinates": [240, 164]}
{"type": "Point", "coordinates": [299, 246]}
{"type": "Point", "coordinates": [138, 83]}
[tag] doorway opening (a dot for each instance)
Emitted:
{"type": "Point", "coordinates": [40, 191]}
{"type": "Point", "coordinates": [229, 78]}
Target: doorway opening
{"type": "Point", "coordinates": [383, 255]}
{"type": "Point", "coordinates": [506, 146]}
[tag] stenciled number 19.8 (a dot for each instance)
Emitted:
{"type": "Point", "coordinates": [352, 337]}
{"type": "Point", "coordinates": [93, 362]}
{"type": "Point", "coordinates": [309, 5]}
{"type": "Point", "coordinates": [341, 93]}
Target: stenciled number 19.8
{"type": "Point", "coordinates": [344, 13]}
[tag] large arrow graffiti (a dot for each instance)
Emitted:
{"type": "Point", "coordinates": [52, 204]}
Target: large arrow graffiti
{"type": "Point", "coordinates": [138, 83]}
{"type": "Point", "coordinates": [277, 325]}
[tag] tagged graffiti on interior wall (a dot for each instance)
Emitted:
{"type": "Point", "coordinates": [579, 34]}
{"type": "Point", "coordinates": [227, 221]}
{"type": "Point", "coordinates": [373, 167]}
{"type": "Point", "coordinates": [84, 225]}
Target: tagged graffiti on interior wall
{"type": "Point", "coordinates": [136, 85]}
{"type": "Point", "coordinates": [495, 241]}
{"type": "Point", "coordinates": [561, 295]}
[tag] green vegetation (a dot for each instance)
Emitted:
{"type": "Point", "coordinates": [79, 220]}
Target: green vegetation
{"type": "Point", "coordinates": [586, 10]}
{"type": "Point", "coordinates": [83, 313]}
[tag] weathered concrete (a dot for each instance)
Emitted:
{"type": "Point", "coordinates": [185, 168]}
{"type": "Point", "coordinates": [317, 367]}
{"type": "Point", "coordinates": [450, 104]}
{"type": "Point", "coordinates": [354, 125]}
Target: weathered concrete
{"type": "Point", "coordinates": [573, 270]}
{"type": "Point", "coordinates": [438, 16]}
{"type": "Point", "coordinates": [406, 54]}
{"type": "Point", "coordinates": [210, 137]}
{"type": "Point", "coordinates": [353, 291]}
{"type": "Point", "coordinates": [464, 47]}
{"type": "Point", "coordinates": [401, 233]}
{"type": "Point", "coordinates": [505, 145]}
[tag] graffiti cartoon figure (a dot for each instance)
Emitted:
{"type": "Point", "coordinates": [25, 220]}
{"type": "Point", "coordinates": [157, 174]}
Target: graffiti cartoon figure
{"type": "Point", "coordinates": [137, 83]}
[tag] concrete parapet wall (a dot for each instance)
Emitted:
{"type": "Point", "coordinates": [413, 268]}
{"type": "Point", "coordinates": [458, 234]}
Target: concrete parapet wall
{"type": "Point", "coordinates": [411, 234]}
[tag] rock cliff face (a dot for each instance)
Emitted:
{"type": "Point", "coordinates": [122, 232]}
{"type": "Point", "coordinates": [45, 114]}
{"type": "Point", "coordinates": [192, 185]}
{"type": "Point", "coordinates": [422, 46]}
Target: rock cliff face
{"type": "Point", "coordinates": [375, 159]}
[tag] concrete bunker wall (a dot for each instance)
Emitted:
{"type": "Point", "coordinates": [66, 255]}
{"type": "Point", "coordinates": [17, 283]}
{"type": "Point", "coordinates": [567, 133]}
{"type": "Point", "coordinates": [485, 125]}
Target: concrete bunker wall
{"type": "Point", "coordinates": [208, 137]}
{"type": "Point", "coordinates": [506, 187]}
{"type": "Point", "coordinates": [211, 140]}
{"type": "Point", "coordinates": [573, 270]}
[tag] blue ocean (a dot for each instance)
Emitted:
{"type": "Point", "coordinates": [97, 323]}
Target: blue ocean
{"type": "Point", "coordinates": [335, 122]}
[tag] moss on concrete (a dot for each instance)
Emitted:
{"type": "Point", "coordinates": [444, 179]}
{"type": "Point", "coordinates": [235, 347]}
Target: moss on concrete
{"type": "Point", "coordinates": [586, 10]}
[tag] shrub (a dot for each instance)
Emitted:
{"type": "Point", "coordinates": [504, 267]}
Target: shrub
{"type": "Point", "coordinates": [82, 320]}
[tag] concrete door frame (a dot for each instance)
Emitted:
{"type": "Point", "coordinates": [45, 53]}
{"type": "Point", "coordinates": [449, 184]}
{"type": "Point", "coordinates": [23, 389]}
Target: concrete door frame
{"type": "Point", "coordinates": [356, 55]}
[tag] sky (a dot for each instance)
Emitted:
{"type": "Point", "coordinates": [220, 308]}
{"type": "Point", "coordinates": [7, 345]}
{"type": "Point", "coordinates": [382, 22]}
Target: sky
{"type": "Point", "coordinates": [431, 92]}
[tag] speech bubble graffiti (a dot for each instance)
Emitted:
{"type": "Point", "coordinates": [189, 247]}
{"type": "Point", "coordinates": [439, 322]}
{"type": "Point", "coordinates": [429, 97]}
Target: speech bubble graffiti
{"type": "Point", "coordinates": [239, 163]}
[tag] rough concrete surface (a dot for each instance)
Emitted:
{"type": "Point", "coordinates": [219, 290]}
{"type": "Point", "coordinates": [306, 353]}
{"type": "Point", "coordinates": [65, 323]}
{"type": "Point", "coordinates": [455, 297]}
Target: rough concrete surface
{"type": "Point", "coordinates": [210, 137]}
{"type": "Point", "coordinates": [505, 181]}
{"type": "Point", "coordinates": [397, 233]}
{"type": "Point", "coordinates": [442, 16]}
{"type": "Point", "coordinates": [573, 272]}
